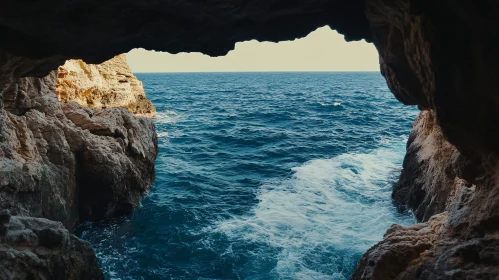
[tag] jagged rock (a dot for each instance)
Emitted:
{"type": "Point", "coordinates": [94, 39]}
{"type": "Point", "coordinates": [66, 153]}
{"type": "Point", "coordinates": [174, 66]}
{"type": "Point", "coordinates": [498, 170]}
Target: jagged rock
{"type": "Point", "coordinates": [430, 251]}
{"type": "Point", "coordinates": [69, 163]}
{"type": "Point", "coordinates": [438, 55]}
{"type": "Point", "coordinates": [426, 61]}
{"type": "Point", "coordinates": [452, 160]}
{"type": "Point", "coordinates": [427, 182]}
{"type": "Point", "coordinates": [435, 173]}
{"type": "Point", "coordinates": [117, 163]}
{"type": "Point", "coordinates": [460, 240]}
{"type": "Point", "coordinates": [106, 85]}
{"type": "Point", "coordinates": [400, 246]}
{"type": "Point", "coordinates": [35, 248]}
{"type": "Point", "coordinates": [66, 163]}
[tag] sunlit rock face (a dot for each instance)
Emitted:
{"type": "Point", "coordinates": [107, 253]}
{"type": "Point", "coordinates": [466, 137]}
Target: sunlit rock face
{"type": "Point", "coordinates": [107, 85]}
{"type": "Point", "coordinates": [439, 55]}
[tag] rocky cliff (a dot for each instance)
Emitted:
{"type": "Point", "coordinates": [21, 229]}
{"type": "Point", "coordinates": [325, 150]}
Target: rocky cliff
{"type": "Point", "coordinates": [457, 238]}
{"type": "Point", "coordinates": [451, 166]}
{"type": "Point", "coordinates": [107, 85]}
{"type": "Point", "coordinates": [66, 163]}
{"type": "Point", "coordinates": [438, 55]}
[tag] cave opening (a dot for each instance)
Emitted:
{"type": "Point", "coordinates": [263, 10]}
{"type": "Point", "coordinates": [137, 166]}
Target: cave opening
{"type": "Point", "coordinates": [275, 161]}
{"type": "Point", "coordinates": [438, 55]}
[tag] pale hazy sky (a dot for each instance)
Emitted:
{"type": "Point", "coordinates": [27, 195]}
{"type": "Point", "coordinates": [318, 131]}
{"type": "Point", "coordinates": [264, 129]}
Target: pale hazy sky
{"type": "Point", "coordinates": [322, 50]}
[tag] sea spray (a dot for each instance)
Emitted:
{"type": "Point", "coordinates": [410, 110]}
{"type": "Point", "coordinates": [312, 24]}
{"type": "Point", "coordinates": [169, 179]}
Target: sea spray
{"type": "Point", "coordinates": [326, 215]}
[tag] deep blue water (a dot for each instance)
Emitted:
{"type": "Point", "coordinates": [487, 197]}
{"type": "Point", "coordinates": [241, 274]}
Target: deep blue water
{"type": "Point", "coordinates": [262, 176]}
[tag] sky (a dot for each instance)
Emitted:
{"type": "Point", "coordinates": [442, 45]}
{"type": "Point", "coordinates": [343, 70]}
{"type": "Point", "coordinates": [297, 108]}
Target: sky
{"type": "Point", "coordinates": [322, 50]}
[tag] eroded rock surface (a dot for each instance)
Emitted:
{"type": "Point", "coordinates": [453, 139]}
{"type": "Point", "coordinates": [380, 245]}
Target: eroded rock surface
{"type": "Point", "coordinates": [428, 251]}
{"type": "Point", "coordinates": [452, 155]}
{"type": "Point", "coordinates": [460, 238]}
{"type": "Point", "coordinates": [438, 55]}
{"type": "Point", "coordinates": [69, 163]}
{"type": "Point", "coordinates": [107, 85]}
{"type": "Point", "coordinates": [428, 180]}
{"type": "Point", "coordinates": [36, 248]}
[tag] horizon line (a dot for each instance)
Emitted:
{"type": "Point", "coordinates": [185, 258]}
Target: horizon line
{"type": "Point", "coordinates": [258, 71]}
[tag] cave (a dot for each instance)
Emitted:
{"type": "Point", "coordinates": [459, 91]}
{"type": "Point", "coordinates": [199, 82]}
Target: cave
{"type": "Point", "coordinates": [440, 56]}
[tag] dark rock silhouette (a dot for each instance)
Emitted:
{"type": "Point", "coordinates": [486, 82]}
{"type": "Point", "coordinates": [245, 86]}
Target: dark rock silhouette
{"type": "Point", "coordinates": [438, 55]}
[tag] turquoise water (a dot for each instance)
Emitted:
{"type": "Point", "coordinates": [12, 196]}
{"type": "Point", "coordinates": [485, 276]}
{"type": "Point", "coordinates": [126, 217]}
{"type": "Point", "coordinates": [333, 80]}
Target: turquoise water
{"type": "Point", "coordinates": [262, 176]}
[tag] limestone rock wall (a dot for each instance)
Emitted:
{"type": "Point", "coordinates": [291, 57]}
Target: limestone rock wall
{"type": "Point", "coordinates": [69, 163]}
{"type": "Point", "coordinates": [63, 163]}
{"type": "Point", "coordinates": [458, 239]}
{"type": "Point", "coordinates": [439, 55]}
{"type": "Point", "coordinates": [106, 85]}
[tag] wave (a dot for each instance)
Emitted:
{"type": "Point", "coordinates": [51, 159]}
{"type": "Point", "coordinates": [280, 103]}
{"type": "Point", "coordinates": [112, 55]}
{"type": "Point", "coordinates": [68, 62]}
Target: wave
{"type": "Point", "coordinates": [167, 117]}
{"type": "Point", "coordinates": [334, 104]}
{"type": "Point", "coordinates": [310, 215]}
{"type": "Point", "coordinates": [163, 134]}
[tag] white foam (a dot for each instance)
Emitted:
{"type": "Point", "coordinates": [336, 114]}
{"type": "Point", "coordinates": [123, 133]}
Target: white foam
{"type": "Point", "coordinates": [335, 104]}
{"type": "Point", "coordinates": [340, 204]}
{"type": "Point", "coordinates": [163, 134]}
{"type": "Point", "coordinates": [166, 117]}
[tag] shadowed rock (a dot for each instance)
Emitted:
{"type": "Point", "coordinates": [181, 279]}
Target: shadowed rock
{"type": "Point", "coordinates": [33, 248]}
{"type": "Point", "coordinates": [438, 55]}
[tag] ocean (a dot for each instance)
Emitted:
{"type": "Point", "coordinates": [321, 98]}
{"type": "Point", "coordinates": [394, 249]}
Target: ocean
{"type": "Point", "coordinates": [262, 176]}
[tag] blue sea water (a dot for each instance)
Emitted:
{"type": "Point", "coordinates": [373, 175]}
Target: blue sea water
{"type": "Point", "coordinates": [262, 176]}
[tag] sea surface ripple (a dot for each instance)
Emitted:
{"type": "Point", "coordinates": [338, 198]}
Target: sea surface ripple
{"type": "Point", "coordinates": [262, 176]}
